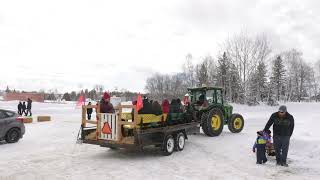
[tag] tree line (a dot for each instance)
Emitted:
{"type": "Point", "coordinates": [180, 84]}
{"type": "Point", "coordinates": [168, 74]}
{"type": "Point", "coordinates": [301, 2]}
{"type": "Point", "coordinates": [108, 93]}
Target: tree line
{"type": "Point", "coordinates": [248, 70]}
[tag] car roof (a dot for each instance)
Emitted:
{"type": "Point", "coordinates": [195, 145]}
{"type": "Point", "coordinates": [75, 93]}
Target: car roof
{"type": "Point", "coordinates": [7, 110]}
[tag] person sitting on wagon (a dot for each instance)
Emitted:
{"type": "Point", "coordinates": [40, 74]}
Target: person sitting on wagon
{"type": "Point", "coordinates": [156, 108]}
{"type": "Point", "coordinates": [165, 106]}
{"type": "Point", "coordinates": [105, 104]}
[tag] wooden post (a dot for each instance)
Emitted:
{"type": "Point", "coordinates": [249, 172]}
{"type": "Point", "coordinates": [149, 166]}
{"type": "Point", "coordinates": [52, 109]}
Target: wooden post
{"type": "Point", "coordinates": [119, 132]}
{"type": "Point", "coordinates": [84, 118]}
{"type": "Point", "coordinates": [98, 120]}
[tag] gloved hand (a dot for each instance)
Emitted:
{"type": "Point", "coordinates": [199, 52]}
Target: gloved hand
{"type": "Point", "coordinates": [254, 150]}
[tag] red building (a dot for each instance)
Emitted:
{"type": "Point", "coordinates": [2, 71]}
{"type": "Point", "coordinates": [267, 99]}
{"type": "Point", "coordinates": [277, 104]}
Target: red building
{"type": "Point", "coordinates": [35, 97]}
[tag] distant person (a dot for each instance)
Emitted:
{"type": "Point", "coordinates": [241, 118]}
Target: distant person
{"type": "Point", "coordinates": [24, 107]}
{"type": "Point", "coordinates": [283, 125]}
{"type": "Point", "coordinates": [105, 104]}
{"type": "Point", "coordinates": [89, 111]}
{"type": "Point", "coordinates": [156, 108]}
{"type": "Point", "coordinates": [259, 147]}
{"type": "Point", "coordinates": [147, 106]}
{"type": "Point", "coordinates": [29, 105]}
{"type": "Point", "coordinates": [20, 108]}
{"type": "Point", "coordinates": [165, 106]}
{"type": "Point", "coordinates": [180, 106]}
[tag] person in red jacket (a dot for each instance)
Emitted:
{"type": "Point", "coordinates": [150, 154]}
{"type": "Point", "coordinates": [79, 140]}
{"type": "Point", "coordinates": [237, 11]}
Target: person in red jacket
{"type": "Point", "coordinates": [165, 106]}
{"type": "Point", "coordinates": [105, 105]}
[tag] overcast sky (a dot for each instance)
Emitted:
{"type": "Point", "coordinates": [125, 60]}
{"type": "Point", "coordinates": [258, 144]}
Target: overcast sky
{"type": "Point", "coordinates": [74, 44]}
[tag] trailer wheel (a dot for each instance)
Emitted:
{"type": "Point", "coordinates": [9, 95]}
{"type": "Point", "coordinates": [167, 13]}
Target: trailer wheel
{"type": "Point", "coordinates": [168, 145]}
{"type": "Point", "coordinates": [236, 123]}
{"type": "Point", "coordinates": [212, 125]}
{"type": "Point", "coordinates": [180, 141]}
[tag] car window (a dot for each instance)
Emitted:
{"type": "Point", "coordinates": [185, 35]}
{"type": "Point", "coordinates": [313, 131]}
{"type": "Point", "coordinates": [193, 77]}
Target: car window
{"type": "Point", "coordinates": [9, 114]}
{"type": "Point", "coordinates": [2, 115]}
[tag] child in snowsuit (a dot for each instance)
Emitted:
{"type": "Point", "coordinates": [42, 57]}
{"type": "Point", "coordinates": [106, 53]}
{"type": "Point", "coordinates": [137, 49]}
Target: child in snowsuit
{"type": "Point", "coordinates": [263, 138]}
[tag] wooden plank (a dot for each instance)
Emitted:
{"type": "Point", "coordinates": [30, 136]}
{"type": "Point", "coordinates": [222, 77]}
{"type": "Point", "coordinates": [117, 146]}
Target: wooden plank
{"type": "Point", "coordinates": [84, 111]}
{"type": "Point", "coordinates": [91, 122]}
{"type": "Point", "coordinates": [43, 118]}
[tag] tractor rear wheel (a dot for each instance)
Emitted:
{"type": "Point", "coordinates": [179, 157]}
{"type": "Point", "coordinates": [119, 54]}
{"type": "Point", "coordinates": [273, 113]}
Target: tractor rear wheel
{"type": "Point", "coordinates": [212, 122]}
{"type": "Point", "coordinates": [236, 123]}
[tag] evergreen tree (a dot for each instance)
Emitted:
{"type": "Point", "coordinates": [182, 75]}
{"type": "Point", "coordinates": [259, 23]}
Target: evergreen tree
{"type": "Point", "coordinates": [235, 89]}
{"type": "Point", "coordinates": [278, 77]}
{"type": "Point", "coordinates": [66, 96]}
{"type": "Point", "coordinates": [7, 90]}
{"type": "Point", "coordinates": [223, 71]}
{"type": "Point", "coordinates": [258, 85]}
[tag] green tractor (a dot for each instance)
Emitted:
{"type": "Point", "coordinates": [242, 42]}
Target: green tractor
{"type": "Point", "coordinates": [208, 107]}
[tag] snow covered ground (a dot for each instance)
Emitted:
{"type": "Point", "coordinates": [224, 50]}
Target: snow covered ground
{"type": "Point", "coordinates": [49, 151]}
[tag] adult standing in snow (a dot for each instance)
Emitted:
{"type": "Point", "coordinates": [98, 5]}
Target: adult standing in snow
{"type": "Point", "coordinates": [29, 102]}
{"type": "Point", "coordinates": [24, 107]}
{"type": "Point", "coordinates": [20, 108]}
{"type": "Point", "coordinates": [283, 125]}
{"type": "Point", "coordinates": [89, 111]}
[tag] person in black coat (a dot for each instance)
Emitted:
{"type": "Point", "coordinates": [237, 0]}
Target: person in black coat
{"type": "Point", "coordinates": [89, 111]}
{"type": "Point", "coordinates": [283, 125]}
{"type": "Point", "coordinates": [29, 105]}
{"type": "Point", "coordinates": [24, 107]}
{"type": "Point", "coordinates": [20, 108]}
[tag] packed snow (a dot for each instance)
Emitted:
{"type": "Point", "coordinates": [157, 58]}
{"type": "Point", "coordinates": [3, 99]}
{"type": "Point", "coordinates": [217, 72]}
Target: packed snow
{"type": "Point", "coordinates": [49, 150]}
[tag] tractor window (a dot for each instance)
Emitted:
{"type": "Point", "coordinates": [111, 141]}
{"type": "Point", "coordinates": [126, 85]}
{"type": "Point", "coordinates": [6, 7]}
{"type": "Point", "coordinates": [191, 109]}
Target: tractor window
{"type": "Point", "coordinates": [210, 97]}
{"type": "Point", "coordinates": [198, 97]}
{"type": "Point", "coordinates": [219, 96]}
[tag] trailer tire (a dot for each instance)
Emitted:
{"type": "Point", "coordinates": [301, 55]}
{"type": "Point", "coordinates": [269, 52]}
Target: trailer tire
{"type": "Point", "coordinates": [180, 141]}
{"type": "Point", "coordinates": [236, 123]}
{"type": "Point", "coordinates": [168, 145]}
{"type": "Point", "coordinates": [212, 123]}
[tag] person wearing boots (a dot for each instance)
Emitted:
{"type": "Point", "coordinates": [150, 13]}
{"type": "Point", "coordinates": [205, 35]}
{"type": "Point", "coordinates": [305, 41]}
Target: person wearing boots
{"type": "Point", "coordinates": [29, 105]}
{"type": "Point", "coordinates": [20, 108]}
{"type": "Point", "coordinates": [89, 111]}
{"type": "Point", "coordinates": [283, 125]}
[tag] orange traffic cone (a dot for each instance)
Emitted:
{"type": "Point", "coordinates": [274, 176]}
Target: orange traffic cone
{"type": "Point", "coordinates": [106, 128]}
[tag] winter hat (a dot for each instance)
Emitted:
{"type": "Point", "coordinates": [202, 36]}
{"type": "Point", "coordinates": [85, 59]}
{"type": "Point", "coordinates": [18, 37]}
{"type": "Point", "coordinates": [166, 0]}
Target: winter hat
{"type": "Point", "coordinates": [283, 108]}
{"type": "Point", "coordinates": [260, 133]}
{"type": "Point", "coordinates": [106, 95]}
{"type": "Point", "coordinates": [268, 131]}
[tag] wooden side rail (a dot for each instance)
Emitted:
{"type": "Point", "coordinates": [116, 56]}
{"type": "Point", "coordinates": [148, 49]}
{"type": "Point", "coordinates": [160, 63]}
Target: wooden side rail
{"type": "Point", "coordinates": [84, 114]}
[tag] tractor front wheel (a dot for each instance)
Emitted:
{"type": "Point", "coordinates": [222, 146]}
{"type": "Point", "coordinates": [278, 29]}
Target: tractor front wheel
{"type": "Point", "coordinates": [212, 123]}
{"type": "Point", "coordinates": [236, 123]}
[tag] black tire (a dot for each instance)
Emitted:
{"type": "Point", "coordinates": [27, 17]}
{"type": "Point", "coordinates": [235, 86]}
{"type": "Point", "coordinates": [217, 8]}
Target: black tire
{"type": "Point", "coordinates": [180, 140]}
{"type": "Point", "coordinates": [13, 135]}
{"type": "Point", "coordinates": [168, 145]}
{"type": "Point", "coordinates": [207, 123]}
{"type": "Point", "coordinates": [236, 123]}
{"type": "Point", "coordinates": [114, 148]}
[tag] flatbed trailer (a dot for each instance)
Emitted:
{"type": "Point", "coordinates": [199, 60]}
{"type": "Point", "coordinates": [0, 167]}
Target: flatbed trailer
{"type": "Point", "coordinates": [135, 131]}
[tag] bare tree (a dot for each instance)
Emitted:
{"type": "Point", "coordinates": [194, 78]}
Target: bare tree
{"type": "Point", "coordinates": [246, 52]}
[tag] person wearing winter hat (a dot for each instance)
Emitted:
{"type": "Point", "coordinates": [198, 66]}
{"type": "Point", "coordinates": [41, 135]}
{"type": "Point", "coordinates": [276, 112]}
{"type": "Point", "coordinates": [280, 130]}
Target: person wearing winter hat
{"type": "Point", "coordinates": [259, 147]}
{"type": "Point", "coordinates": [283, 125]}
{"type": "Point", "coordinates": [105, 105]}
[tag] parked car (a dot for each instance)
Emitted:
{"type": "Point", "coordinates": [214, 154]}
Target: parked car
{"type": "Point", "coordinates": [11, 126]}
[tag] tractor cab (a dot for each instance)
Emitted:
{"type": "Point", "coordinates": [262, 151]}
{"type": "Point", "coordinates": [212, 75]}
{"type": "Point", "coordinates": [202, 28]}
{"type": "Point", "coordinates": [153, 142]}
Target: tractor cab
{"type": "Point", "coordinates": [204, 97]}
